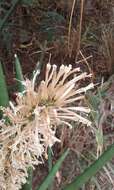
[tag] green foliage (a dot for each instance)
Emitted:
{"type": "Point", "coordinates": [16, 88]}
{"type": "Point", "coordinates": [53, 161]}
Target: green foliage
{"type": "Point", "coordinates": [4, 97]}
{"type": "Point", "coordinates": [49, 158]}
{"type": "Point", "coordinates": [92, 169]}
{"type": "Point", "coordinates": [50, 24]}
{"type": "Point", "coordinates": [50, 165]}
{"type": "Point", "coordinates": [18, 74]}
{"type": "Point", "coordinates": [52, 173]}
{"type": "Point", "coordinates": [95, 103]}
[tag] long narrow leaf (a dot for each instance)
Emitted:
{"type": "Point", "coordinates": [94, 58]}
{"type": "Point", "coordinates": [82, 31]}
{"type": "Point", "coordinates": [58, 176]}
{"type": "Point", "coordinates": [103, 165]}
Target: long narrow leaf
{"type": "Point", "coordinates": [39, 65]}
{"type": "Point", "coordinates": [18, 74]}
{"type": "Point", "coordinates": [4, 98]}
{"type": "Point", "coordinates": [49, 159]}
{"type": "Point", "coordinates": [50, 165]}
{"type": "Point", "coordinates": [91, 170]}
{"type": "Point", "coordinates": [52, 173]}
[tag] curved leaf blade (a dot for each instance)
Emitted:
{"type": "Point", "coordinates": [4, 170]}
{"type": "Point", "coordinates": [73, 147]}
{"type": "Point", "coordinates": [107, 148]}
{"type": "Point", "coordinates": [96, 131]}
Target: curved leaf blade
{"type": "Point", "coordinates": [19, 74]}
{"type": "Point", "coordinates": [52, 173]}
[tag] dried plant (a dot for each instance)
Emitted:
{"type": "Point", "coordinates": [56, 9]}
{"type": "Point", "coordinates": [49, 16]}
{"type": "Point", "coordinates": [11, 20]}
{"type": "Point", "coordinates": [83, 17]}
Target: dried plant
{"type": "Point", "coordinates": [108, 47]}
{"type": "Point", "coordinates": [29, 127]}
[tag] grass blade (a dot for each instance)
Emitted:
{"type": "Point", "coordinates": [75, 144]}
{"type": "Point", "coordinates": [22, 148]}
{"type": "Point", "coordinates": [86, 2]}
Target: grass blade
{"type": "Point", "coordinates": [49, 159]}
{"type": "Point", "coordinates": [92, 169]}
{"type": "Point", "coordinates": [50, 165]}
{"type": "Point", "coordinates": [40, 64]}
{"type": "Point", "coordinates": [4, 97]}
{"type": "Point", "coordinates": [52, 173]}
{"type": "Point", "coordinates": [18, 74]}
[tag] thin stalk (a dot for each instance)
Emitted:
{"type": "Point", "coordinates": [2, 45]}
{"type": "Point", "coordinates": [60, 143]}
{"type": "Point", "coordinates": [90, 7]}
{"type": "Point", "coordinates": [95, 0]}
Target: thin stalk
{"type": "Point", "coordinates": [50, 165]}
{"type": "Point", "coordinates": [92, 169]}
{"type": "Point", "coordinates": [49, 159]}
{"type": "Point", "coordinates": [80, 27]}
{"type": "Point", "coordinates": [70, 23]}
{"type": "Point", "coordinates": [40, 63]}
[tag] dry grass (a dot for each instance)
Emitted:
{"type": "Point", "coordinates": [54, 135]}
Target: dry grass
{"type": "Point", "coordinates": [108, 46]}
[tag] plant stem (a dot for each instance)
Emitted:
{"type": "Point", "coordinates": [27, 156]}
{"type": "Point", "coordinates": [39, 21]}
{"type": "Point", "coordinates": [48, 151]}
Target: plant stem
{"type": "Point", "coordinates": [49, 159]}
{"type": "Point", "coordinates": [50, 165]}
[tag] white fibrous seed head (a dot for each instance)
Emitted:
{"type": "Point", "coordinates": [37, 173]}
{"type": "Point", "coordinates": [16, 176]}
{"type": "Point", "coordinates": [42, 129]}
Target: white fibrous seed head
{"type": "Point", "coordinates": [29, 126]}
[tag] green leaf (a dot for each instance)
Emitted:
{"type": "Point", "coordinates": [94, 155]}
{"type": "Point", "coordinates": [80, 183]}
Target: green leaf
{"type": "Point", "coordinates": [50, 25]}
{"type": "Point", "coordinates": [50, 165]}
{"type": "Point", "coordinates": [52, 173]}
{"type": "Point", "coordinates": [18, 74]}
{"type": "Point", "coordinates": [99, 136]}
{"type": "Point", "coordinates": [49, 158]}
{"type": "Point", "coordinates": [92, 169]}
{"type": "Point", "coordinates": [93, 102]}
{"type": "Point", "coordinates": [40, 63]}
{"type": "Point", "coordinates": [4, 97]}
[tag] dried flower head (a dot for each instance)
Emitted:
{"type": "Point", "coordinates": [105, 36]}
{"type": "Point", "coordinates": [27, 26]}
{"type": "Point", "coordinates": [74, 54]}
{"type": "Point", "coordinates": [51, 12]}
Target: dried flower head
{"type": "Point", "coordinates": [29, 126]}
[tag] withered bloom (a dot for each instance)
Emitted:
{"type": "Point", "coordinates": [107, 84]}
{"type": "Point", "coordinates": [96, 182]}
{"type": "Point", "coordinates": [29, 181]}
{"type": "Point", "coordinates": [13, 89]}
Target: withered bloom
{"type": "Point", "coordinates": [29, 126]}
